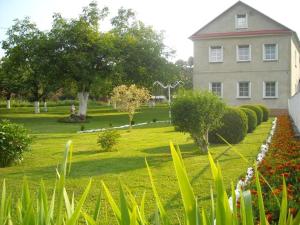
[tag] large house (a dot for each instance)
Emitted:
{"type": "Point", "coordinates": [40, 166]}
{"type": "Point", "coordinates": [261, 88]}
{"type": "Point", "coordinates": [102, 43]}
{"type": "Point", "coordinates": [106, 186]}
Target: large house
{"type": "Point", "coordinates": [246, 57]}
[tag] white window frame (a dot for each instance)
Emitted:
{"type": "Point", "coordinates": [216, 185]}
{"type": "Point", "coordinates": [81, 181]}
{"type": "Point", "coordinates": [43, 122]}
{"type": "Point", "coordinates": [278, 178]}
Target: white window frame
{"type": "Point", "coordinates": [276, 89]}
{"type": "Point", "coordinates": [209, 54]}
{"type": "Point", "coordinates": [264, 52]}
{"type": "Point", "coordinates": [238, 89]}
{"type": "Point", "coordinates": [237, 53]}
{"type": "Point", "coordinates": [210, 87]}
{"type": "Point", "coordinates": [236, 21]}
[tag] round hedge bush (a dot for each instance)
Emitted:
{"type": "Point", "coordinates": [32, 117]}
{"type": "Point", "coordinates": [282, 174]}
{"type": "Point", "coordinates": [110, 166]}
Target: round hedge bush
{"type": "Point", "coordinates": [257, 110]}
{"type": "Point", "coordinates": [234, 127]}
{"type": "Point", "coordinates": [14, 140]}
{"type": "Point", "coordinates": [252, 119]}
{"type": "Point", "coordinates": [266, 112]}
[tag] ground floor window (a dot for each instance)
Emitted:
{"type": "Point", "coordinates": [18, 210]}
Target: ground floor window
{"type": "Point", "coordinates": [216, 88]}
{"type": "Point", "coordinates": [270, 89]}
{"type": "Point", "coordinates": [244, 89]}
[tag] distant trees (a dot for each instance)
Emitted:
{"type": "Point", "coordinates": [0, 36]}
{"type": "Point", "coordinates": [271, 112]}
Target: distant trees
{"type": "Point", "coordinates": [75, 54]}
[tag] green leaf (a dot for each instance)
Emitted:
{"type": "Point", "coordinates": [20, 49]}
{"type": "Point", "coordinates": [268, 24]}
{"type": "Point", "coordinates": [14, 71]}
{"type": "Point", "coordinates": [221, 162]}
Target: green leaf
{"type": "Point", "coordinates": [189, 201]}
{"type": "Point", "coordinates": [163, 214]}
{"type": "Point", "coordinates": [283, 208]}
{"type": "Point", "coordinates": [262, 215]}
{"type": "Point", "coordinates": [76, 214]}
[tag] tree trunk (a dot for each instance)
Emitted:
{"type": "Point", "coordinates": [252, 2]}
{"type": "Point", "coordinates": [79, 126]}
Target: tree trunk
{"type": "Point", "coordinates": [8, 101]}
{"type": "Point", "coordinates": [83, 100]}
{"type": "Point", "coordinates": [130, 121]}
{"type": "Point", "coordinates": [36, 107]}
{"type": "Point", "coordinates": [201, 143]}
{"type": "Point", "coordinates": [45, 106]}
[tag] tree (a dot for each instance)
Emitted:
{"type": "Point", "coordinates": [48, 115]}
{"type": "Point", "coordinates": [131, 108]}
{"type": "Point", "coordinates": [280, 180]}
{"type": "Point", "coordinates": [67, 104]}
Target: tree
{"type": "Point", "coordinates": [186, 72]}
{"type": "Point", "coordinates": [142, 56]}
{"type": "Point", "coordinates": [30, 52]}
{"type": "Point", "coordinates": [197, 113]}
{"type": "Point", "coordinates": [84, 53]}
{"type": "Point", "coordinates": [129, 98]}
{"type": "Point", "coordinates": [11, 80]}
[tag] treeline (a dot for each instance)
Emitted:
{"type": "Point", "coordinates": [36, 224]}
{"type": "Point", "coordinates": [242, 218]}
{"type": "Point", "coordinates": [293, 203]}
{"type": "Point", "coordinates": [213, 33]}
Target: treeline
{"type": "Point", "coordinates": [75, 58]}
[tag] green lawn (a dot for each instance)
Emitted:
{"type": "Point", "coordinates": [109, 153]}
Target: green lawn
{"type": "Point", "coordinates": [128, 163]}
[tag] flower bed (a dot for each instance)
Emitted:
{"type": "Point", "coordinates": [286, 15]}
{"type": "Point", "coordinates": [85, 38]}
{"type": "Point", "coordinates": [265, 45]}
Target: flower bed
{"type": "Point", "coordinates": [282, 160]}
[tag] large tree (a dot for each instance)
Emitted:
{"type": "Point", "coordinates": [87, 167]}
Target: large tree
{"type": "Point", "coordinates": [83, 51]}
{"type": "Point", "coordinates": [30, 53]}
{"type": "Point", "coordinates": [11, 80]}
{"type": "Point", "coordinates": [142, 55]}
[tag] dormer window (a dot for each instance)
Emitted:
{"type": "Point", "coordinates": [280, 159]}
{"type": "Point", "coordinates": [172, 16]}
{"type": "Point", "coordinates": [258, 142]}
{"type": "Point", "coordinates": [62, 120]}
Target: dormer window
{"type": "Point", "coordinates": [241, 21]}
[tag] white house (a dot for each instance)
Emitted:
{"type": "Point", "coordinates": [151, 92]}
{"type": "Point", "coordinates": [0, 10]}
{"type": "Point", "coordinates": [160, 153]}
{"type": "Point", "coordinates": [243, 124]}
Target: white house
{"type": "Point", "coordinates": [246, 57]}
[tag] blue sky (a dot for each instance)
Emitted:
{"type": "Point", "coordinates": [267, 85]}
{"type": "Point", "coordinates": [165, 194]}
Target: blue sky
{"type": "Point", "coordinates": [178, 18]}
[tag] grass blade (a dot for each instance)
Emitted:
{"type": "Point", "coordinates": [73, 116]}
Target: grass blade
{"type": "Point", "coordinates": [187, 194]}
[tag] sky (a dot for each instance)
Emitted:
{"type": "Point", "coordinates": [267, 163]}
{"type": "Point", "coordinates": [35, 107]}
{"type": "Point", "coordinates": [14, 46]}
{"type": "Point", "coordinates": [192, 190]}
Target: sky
{"type": "Point", "coordinates": [179, 19]}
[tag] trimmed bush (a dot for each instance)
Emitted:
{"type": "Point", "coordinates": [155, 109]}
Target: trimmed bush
{"type": "Point", "coordinates": [108, 139]}
{"type": "Point", "coordinates": [257, 110]}
{"type": "Point", "coordinates": [234, 128]}
{"type": "Point", "coordinates": [252, 119]}
{"type": "Point", "coordinates": [14, 140]}
{"type": "Point", "coordinates": [197, 113]}
{"type": "Point", "coordinates": [266, 112]}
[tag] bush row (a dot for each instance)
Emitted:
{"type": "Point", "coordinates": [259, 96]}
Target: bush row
{"type": "Point", "coordinates": [237, 122]}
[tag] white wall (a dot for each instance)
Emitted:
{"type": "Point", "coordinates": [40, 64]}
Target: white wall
{"type": "Point", "coordinates": [294, 109]}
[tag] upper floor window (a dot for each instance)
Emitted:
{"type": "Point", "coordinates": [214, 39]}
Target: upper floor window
{"type": "Point", "coordinates": [270, 52]}
{"type": "Point", "coordinates": [243, 53]}
{"type": "Point", "coordinates": [215, 54]}
{"type": "Point", "coordinates": [244, 89]}
{"type": "Point", "coordinates": [241, 21]}
{"type": "Point", "coordinates": [216, 88]}
{"type": "Point", "coordinates": [270, 89]}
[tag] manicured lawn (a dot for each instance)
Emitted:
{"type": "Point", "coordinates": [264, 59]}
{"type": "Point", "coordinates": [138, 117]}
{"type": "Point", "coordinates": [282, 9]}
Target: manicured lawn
{"type": "Point", "coordinates": [128, 163]}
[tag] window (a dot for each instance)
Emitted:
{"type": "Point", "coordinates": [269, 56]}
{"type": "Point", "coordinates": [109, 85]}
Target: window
{"type": "Point", "coordinates": [243, 53]}
{"type": "Point", "coordinates": [241, 21]}
{"type": "Point", "coordinates": [216, 88]}
{"type": "Point", "coordinates": [244, 89]}
{"type": "Point", "coordinates": [270, 52]}
{"type": "Point", "coordinates": [215, 54]}
{"type": "Point", "coordinates": [270, 89]}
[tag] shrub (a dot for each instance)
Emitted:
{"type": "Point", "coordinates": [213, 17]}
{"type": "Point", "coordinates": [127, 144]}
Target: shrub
{"type": "Point", "coordinates": [14, 140]}
{"type": "Point", "coordinates": [196, 113]}
{"type": "Point", "coordinates": [234, 128]}
{"type": "Point", "coordinates": [257, 110]}
{"type": "Point", "coordinates": [252, 119]}
{"type": "Point", "coordinates": [266, 112]}
{"type": "Point", "coordinates": [108, 139]}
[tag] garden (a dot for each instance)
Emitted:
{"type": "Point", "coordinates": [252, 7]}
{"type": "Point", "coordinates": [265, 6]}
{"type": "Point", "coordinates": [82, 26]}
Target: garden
{"type": "Point", "coordinates": [105, 149]}
{"type": "Point", "coordinates": [125, 163]}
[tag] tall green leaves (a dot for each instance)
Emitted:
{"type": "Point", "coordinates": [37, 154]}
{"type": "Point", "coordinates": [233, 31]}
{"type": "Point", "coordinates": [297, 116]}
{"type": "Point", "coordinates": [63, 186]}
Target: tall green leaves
{"type": "Point", "coordinates": [61, 209]}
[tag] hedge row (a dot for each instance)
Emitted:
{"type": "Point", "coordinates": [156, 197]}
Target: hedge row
{"type": "Point", "coordinates": [237, 122]}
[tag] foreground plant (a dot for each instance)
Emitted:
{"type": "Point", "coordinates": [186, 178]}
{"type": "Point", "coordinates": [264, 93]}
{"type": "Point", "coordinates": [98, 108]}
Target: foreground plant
{"type": "Point", "coordinates": [61, 209]}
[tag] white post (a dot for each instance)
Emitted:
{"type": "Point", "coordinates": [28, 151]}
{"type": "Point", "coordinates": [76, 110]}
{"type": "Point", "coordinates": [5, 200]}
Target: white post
{"type": "Point", "coordinates": [45, 107]}
{"type": "Point", "coordinates": [36, 107]}
{"type": "Point", "coordinates": [8, 103]}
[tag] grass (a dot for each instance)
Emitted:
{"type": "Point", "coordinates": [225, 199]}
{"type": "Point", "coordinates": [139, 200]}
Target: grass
{"type": "Point", "coordinates": [128, 163]}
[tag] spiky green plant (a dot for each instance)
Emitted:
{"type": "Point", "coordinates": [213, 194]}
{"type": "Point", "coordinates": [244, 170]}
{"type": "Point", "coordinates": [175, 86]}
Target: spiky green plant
{"type": "Point", "coordinates": [61, 209]}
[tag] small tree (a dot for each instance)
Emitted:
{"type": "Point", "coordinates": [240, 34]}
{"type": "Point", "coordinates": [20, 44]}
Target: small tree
{"type": "Point", "coordinates": [129, 98]}
{"type": "Point", "coordinates": [197, 113]}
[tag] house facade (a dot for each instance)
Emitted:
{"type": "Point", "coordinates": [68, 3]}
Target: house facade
{"type": "Point", "coordinates": [246, 57]}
